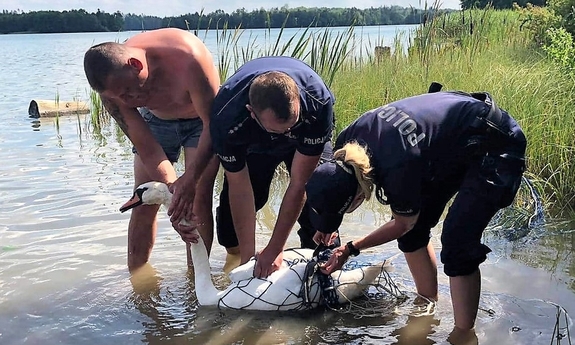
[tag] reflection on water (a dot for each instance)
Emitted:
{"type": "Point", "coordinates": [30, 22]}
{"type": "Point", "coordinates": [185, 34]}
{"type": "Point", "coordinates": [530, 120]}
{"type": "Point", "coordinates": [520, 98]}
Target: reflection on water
{"type": "Point", "coordinates": [63, 274]}
{"type": "Point", "coordinates": [35, 125]}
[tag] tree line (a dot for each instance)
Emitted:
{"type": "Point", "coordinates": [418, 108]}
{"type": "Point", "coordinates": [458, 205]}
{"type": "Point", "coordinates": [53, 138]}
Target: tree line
{"type": "Point", "coordinates": [83, 21]}
{"type": "Point", "coordinates": [298, 17]}
{"type": "Point", "coordinates": [59, 21]}
{"type": "Point", "coordinates": [499, 4]}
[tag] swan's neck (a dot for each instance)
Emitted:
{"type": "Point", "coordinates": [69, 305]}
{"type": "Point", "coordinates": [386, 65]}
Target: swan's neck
{"type": "Point", "coordinates": [205, 290]}
{"type": "Point", "coordinates": [167, 200]}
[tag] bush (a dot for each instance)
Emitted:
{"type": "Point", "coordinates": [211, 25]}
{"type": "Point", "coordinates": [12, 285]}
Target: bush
{"type": "Point", "coordinates": [565, 10]}
{"type": "Point", "coordinates": [538, 20]}
{"type": "Point", "coordinates": [560, 48]}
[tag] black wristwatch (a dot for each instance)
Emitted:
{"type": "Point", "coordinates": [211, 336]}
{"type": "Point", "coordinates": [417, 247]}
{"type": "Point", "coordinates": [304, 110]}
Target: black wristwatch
{"type": "Point", "coordinates": [353, 251]}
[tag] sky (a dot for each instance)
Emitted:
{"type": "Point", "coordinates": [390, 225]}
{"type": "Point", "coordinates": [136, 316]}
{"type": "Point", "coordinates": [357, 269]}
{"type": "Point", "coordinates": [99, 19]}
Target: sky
{"type": "Point", "coordinates": [166, 8]}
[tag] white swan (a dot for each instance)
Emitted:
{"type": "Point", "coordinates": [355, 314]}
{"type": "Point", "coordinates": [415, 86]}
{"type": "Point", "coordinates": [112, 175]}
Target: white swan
{"type": "Point", "coordinates": [290, 257]}
{"type": "Point", "coordinates": [282, 290]}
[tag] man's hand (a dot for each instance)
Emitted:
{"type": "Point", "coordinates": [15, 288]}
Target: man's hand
{"type": "Point", "coordinates": [188, 229]}
{"type": "Point", "coordinates": [267, 262]}
{"type": "Point", "coordinates": [336, 260]}
{"type": "Point", "coordinates": [183, 193]}
{"type": "Point", "coordinates": [327, 239]}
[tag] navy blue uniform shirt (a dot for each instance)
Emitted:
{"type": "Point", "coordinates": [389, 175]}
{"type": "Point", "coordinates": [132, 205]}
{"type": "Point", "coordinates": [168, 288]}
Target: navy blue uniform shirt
{"type": "Point", "coordinates": [412, 140]}
{"type": "Point", "coordinates": [234, 133]}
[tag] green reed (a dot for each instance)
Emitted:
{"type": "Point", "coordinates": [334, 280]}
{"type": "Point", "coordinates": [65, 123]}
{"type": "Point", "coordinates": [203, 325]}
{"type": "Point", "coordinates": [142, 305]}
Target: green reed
{"type": "Point", "coordinates": [99, 117]}
{"type": "Point", "coordinates": [324, 50]}
{"type": "Point", "coordinates": [78, 120]}
{"type": "Point", "coordinates": [57, 117]}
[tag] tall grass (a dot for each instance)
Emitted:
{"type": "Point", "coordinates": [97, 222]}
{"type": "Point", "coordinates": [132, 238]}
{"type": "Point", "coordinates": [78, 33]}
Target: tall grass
{"type": "Point", "coordinates": [481, 50]}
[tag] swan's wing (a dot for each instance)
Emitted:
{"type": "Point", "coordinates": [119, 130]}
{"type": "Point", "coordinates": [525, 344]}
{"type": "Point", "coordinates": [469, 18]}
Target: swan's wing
{"type": "Point", "coordinates": [387, 264]}
{"type": "Point", "coordinates": [290, 257]}
{"type": "Point", "coordinates": [351, 284]}
{"type": "Point", "coordinates": [295, 254]}
{"type": "Point", "coordinates": [243, 272]}
{"type": "Point", "coordinates": [279, 291]}
{"type": "Point", "coordinates": [247, 295]}
{"type": "Point", "coordinates": [286, 287]}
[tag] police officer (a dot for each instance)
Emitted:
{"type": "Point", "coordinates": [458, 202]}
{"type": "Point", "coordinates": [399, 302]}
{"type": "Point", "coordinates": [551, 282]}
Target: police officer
{"type": "Point", "coordinates": [417, 153]}
{"type": "Point", "coordinates": [272, 110]}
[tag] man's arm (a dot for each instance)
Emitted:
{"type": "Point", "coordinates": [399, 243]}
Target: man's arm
{"type": "Point", "coordinates": [203, 87]}
{"type": "Point", "coordinates": [293, 200]}
{"type": "Point", "coordinates": [292, 203]}
{"type": "Point", "coordinates": [151, 153]}
{"type": "Point", "coordinates": [203, 94]}
{"type": "Point", "coordinates": [242, 205]}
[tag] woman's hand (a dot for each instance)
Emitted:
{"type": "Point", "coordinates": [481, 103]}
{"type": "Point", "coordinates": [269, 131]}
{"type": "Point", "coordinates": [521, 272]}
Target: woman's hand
{"type": "Point", "coordinates": [336, 260]}
{"type": "Point", "coordinates": [327, 239]}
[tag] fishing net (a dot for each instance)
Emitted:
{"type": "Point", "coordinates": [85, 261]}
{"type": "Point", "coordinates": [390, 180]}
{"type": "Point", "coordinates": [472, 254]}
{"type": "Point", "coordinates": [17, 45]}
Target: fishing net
{"type": "Point", "coordinates": [563, 323]}
{"type": "Point", "coordinates": [531, 321]}
{"type": "Point", "coordinates": [360, 288]}
{"type": "Point", "coordinates": [380, 298]}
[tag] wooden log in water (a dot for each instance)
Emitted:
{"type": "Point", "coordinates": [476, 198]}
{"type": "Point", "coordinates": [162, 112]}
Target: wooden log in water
{"type": "Point", "coordinates": [50, 108]}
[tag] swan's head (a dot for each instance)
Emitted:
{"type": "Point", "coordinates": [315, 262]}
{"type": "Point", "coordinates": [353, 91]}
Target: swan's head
{"type": "Point", "coordinates": [149, 193]}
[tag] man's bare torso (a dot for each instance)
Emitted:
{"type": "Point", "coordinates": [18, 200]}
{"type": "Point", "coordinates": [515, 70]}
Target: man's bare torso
{"type": "Point", "coordinates": [170, 55]}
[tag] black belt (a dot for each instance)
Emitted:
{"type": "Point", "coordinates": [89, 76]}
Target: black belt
{"type": "Point", "coordinates": [494, 117]}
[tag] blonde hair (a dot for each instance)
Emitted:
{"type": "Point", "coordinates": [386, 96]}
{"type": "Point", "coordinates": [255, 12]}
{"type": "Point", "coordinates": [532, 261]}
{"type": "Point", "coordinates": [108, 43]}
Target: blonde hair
{"type": "Point", "coordinates": [355, 156]}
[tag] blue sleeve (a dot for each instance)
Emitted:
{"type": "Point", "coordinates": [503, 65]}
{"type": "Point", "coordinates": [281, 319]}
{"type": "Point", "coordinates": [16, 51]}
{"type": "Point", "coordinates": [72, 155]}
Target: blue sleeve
{"type": "Point", "coordinates": [232, 157]}
{"type": "Point", "coordinates": [319, 131]}
{"type": "Point", "coordinates": [228, 129]}
{"type": "Point", "coordinates": [402, 187]}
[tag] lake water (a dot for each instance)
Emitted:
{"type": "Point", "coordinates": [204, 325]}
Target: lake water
{"type": "Point", "coordinates": [63, 274]}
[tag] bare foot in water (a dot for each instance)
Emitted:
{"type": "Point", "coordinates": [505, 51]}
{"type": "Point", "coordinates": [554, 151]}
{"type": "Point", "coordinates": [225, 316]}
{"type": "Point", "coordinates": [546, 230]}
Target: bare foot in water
{"type": "Point", "coordinates": [460, 336]}
{"type": "Point", "coordinates": [233, 259]}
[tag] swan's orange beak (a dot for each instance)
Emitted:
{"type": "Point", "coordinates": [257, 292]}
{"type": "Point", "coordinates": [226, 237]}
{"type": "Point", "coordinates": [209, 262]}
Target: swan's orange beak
{"type": "Point", "coordinates": [136, 200]}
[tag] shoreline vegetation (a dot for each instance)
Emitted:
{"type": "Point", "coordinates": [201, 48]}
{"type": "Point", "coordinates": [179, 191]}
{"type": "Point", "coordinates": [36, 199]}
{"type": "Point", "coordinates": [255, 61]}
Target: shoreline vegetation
{"type": "Point", "coordinates": [523, 56]}
{"type": "Point", "coordinates": [12, 22]}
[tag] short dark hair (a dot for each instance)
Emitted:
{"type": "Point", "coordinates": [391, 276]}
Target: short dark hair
{"type": "Point", "coordinates": [100, 61]}
{"type": "Point", "coordinates": [276, 91]}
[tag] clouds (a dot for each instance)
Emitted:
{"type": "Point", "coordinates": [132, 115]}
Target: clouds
{"type": "Point", "coordinates": [177, 7]}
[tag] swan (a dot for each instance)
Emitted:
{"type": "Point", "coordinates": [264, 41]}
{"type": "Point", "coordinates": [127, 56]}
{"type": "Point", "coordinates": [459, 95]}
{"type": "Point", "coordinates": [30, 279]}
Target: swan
{"type": "Point", "coordinates": [282, 290]}
{"type": "Point", "coordinates": [291, 256]}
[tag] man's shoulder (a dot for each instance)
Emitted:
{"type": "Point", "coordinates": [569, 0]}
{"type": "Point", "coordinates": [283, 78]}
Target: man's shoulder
{"type": "Point", "coordinates": [161, 33]}
{"type": "Point", "coordinates": [167, 38]}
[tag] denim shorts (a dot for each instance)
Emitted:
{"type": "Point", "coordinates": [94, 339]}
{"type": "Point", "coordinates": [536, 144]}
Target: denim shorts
{"type": "Point", "coordinates": [173, 134]}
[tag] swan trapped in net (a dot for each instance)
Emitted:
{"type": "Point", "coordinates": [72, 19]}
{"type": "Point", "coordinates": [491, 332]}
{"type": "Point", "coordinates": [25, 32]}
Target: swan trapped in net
{"type": "Point", "coordinates": [297, 285]}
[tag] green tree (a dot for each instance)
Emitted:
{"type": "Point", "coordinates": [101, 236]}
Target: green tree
{"type": "Point", "coordinates": [499, 4]}
{"type": "Point", "coordinates": [565, 10]}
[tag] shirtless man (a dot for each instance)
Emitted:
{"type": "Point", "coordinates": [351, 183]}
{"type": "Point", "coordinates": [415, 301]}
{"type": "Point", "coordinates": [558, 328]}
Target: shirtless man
{"type": "Point", "coordinates": [159, 87]}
